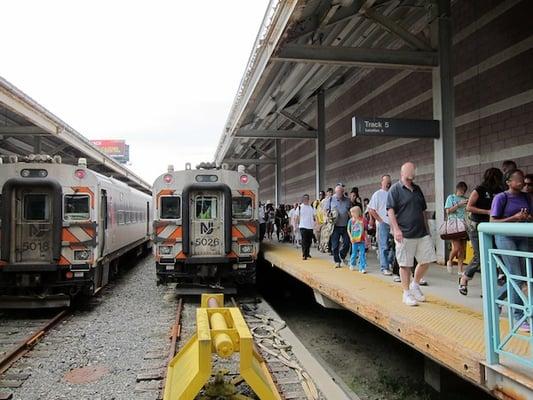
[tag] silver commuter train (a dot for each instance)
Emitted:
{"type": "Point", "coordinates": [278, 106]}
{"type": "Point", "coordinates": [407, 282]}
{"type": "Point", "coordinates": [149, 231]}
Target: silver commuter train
{"type": "Point", "coordinates": [205, 227]}
{"type": "Point", "coordinates": [63, 229]}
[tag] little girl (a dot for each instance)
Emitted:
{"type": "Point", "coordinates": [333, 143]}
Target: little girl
{"type": "Point", "coordinates": [357, 226]}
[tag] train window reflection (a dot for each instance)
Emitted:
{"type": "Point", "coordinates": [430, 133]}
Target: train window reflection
{"type": "Point", "coordinates": [76, 207]}
{"type": "Point", "coordinates": [36, 207]}
{"type": "Point", "coordinates": [170, 207]}
{"type": "Point", "coordinates": [242, 207]}
{"type": "Point", "coordinates": [206, 207]}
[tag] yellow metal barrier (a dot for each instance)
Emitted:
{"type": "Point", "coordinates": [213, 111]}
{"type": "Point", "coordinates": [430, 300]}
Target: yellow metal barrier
{"type": "Point", "coordinates": [222, 330]}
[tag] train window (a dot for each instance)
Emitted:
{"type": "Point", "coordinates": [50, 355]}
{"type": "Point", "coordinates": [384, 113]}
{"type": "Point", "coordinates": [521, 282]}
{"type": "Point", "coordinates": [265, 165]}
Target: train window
{"type": "Point", "coordinates": [120, 215]}
{"type": "Point", "coordinates": [170, 207]}
{"type": "Point", "coordinates": [36, 207]}
{"type": "Point", "coordinates": [241, 207]}
{"type": "Point", "coordinates": [206, 207]}
{"type": "Point", "coordinates": [76, 207]}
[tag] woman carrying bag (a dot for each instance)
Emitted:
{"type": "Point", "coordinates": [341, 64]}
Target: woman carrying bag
{"type": "Point", "coordinates": [455, 227]}
{"type": "Point", "coordinates": [479, 204]}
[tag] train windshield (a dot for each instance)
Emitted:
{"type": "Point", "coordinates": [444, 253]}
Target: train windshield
{"type": "Point", "coordinates": [36, 207]}
{"type": "Point", "coordinates": [206, 207]}
{"type": "Point", "coordinates": [76, 207]}
{"type": "Point", "coordinates": [170, 207]}
{"type": "Point", "coordinates": [242, 207]}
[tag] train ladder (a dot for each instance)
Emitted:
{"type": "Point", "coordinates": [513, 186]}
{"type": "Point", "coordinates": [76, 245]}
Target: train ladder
{"type": "Point", "coordinates": [222, 330]}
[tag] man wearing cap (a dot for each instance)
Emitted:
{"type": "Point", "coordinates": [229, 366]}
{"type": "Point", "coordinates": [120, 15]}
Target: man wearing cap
{"type": "Point", "coordinates": [341, 204]}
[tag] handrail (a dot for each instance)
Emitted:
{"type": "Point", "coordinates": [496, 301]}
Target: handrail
{"type": "Point", "coordinates": [506, 307]}
{"type": "Point", "coordinates": [507, 228]}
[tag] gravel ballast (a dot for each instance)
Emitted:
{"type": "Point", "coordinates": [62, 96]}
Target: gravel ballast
{"type": "Point", "coordinates": [114, 338]}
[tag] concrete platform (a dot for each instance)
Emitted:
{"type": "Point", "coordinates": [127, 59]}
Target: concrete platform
{"type": "Point", "coordinates": [447, 328]}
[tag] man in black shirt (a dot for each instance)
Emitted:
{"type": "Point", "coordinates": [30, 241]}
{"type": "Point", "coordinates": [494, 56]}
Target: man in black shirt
{"type": "Point", "coordinates": [406, 206]}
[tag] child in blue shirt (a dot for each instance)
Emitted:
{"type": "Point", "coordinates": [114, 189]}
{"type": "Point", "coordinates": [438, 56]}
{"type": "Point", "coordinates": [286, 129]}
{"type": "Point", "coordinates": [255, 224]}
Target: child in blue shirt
{"type": "Point", "coordinates": [357, 226]}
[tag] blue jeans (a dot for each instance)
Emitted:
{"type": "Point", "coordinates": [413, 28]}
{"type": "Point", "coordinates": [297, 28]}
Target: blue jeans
{"type": "Point", "coordinates": [386, 256]}
{"type": "Point", "coordinates": [358, 247]}
{"type": "Point", "coordinates": [515, 265]}
{"type": "Point", "coordinates": [338, 251]}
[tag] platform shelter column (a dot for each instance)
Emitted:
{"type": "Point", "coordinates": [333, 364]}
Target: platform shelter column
{"type": "Point", "coordinates": [321, 143]}
{"type": "Point", "coordinates": [444, 111]}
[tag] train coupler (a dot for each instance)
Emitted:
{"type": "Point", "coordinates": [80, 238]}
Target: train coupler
{"type": "Point", "coordinates": [220, 330]}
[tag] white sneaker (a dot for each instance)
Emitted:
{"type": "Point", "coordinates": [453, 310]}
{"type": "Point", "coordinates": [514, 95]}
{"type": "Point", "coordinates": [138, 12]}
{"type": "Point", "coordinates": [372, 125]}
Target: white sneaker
{"type": "Point", "coordinates": [417, 293]}
{"type": "Point", "coordinates": [408, 299]}
{"type": "Point", "coordinates": [337, 265]}
{"type": "Point", "coordinates": [449, 268]}
{"type": "Point", "coordinates": [345, 262]}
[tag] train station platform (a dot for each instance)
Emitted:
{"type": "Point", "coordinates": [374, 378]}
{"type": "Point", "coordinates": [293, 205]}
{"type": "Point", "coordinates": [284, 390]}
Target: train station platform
{"type": "Point", "coordinates": [448, 328]}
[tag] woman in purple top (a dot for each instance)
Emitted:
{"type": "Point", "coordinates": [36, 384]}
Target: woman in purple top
{"type": "Point", "coordinates": [513, 205]}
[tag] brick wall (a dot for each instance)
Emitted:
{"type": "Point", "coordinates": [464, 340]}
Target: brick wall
{"type": "Point", "coordinates": [493, 106]}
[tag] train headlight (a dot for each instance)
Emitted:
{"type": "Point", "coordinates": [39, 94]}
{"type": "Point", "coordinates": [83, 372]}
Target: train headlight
{"type": "Point", "coordinates": [82, 255]}
{"type": "Point", "coordinates": [165, 250]}
{"type": "Point", "coordinates": [247, 248]}
{"type": "Point", "coordinates": [80, 173]}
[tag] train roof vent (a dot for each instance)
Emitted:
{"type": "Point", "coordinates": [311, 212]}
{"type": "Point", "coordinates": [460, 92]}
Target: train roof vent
{"type": "Point", "coordinates": [82, 162]}
{"type": "Point", "coordinates": [12, 159]}
{"type": "Point", "coordinates": [170, 168]}
{"type": "Point", "coordinates": [188, 165]}
{"type": "Point", "coordinates": [225, 166]}
{"type": "Point", "coordinates": [38, 158]}
{"type": "Point", "coordinates": [241, 168]}
{"type": "Point", "coordinates": [58, 159]}
{"type": "Point", "coordinates": [206, 165]}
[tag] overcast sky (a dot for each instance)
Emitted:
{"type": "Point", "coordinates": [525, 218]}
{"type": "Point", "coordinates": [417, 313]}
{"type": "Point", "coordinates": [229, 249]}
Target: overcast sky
{"type": "Point", "coordinates": [160, 74]}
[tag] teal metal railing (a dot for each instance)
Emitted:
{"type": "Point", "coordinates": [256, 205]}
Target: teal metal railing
{"type": "Point", "coordinates": [507, 307]}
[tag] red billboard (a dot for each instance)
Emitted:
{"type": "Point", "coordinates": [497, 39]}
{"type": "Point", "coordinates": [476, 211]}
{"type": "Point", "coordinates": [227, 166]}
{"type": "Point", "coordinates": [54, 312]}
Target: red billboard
{"type": "Point", "coordinates": [115, 148]}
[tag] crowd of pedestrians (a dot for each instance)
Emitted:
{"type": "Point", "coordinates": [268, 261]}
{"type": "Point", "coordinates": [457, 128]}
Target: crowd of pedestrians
{"type": "Point", "coordinates": [395, 217]}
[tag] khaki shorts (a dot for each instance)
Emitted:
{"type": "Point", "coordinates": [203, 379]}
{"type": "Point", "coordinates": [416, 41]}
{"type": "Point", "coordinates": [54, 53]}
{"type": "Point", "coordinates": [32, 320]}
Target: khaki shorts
{"type": "Point", "coordinates": [420, 248]}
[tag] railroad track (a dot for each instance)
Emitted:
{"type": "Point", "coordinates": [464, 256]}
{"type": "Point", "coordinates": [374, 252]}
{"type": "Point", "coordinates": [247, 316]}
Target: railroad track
{"type": "Point", "coordinates": [18, 335]}
{"type": "Point", "coordinates": [292, 381]}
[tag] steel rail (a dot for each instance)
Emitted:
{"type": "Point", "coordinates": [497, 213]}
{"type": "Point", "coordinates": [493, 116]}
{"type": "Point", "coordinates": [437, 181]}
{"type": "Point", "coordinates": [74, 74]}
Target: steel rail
{"type": "Point", "coordinates": [175, 334]}
{"type": "Point", "coordinates": [28, 343]}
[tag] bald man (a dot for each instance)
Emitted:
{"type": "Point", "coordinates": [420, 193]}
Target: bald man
{"type": "Point", "coordinates": [406, 208]}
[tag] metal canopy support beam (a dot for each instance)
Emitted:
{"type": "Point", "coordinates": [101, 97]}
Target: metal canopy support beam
{"type": "Point", "coordinates": [413, 41]}
{"type": "Point", "coordinates": [360, 57]}
{"type": "Point", "coordinates": [443, 110]}
{"type": "Point", "coordinates": [259, 152]}
{"type": "Point", "coordinates": [22, 130]}
{"type": "Point", "coordinates": [321, 143]}
{"type": "Point", "coordinates": [273, 134]}
{"type": "Point", "coordinates": [277, 173]}
{"type": "Point", "coordinates": [37, 145]}
{"type": "Point", "coordinates": [248, 161]}
{"type": "Point", "coordinates": [297, 120]}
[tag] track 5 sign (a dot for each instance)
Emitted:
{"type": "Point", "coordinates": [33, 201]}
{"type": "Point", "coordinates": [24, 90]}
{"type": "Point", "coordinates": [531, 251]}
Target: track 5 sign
{"type": "Point", "coordinates": [405, 128]}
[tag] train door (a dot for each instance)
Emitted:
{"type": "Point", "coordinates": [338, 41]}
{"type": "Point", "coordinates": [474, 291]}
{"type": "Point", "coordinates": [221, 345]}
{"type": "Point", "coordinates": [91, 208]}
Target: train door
{"type": "Point", "coordinates": [33, 238]}
{"type": "Point", "coordinates": [102, 224]}
{"type": "Point", "coordinates": [207, 224]}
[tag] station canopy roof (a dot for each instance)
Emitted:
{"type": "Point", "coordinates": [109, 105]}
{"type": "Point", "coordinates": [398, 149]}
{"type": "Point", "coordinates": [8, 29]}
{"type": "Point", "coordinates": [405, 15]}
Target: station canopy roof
{"type": "Point", "coordinates": [26, 127]}
{"type": "Point", "coordinates": [304, 46]}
